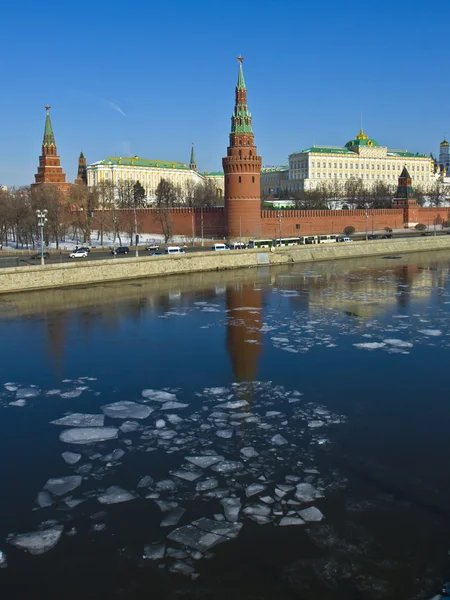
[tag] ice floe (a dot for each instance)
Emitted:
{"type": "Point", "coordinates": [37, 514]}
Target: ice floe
{"type": "Point", "coordinates": [88, 435]}
{"type": "Point", "coordinates": [80, 420]}
{"type": "Point", "coordinates": [37, 542]}
{"type": "Point", "coordinates": [126, 409]}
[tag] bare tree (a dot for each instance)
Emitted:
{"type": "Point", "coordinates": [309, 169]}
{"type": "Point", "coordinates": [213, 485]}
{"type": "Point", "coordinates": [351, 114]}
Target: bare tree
{"type": "Point", "coordinates": [436, 194]}
{"type": "Point", "coordinates": [167, 196]}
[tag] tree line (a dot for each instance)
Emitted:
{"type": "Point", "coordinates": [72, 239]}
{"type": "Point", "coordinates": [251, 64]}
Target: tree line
{"type": "Point", "coordinates": [76, 214]}
{"type": "Point", "coordinates": [353, 194]}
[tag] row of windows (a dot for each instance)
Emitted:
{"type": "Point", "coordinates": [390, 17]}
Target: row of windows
{"type": "Point", "coordinates": [348, 176]}
{"type": "Point", "coordinates": [367, 166]}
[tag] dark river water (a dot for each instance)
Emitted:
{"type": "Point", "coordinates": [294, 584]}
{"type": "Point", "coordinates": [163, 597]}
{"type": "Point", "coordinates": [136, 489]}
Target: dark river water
{"type": "Point", "coordinates": [259, 435]}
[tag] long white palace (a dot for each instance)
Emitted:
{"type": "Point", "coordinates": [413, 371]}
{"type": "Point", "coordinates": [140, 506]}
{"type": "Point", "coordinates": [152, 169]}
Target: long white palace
{"type": "Point", "coordinates": [149, 173]}
{"type": "Point", "coordinates": [361, 158]}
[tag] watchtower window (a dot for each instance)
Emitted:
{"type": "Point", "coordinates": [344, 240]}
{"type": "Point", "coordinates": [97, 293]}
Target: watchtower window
{"type": "Point", "coordinates": [240, 179]}
{"type": "Point", "coordinates": [253, 179]}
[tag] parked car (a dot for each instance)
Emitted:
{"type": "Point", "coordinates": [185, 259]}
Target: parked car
{"type": "Point", "coordinates": [38, 256]}
{"type": "Point", "coordinates": [344, 239]}
{"type": "Point", "coordinates": [387, 236]}
{"type": "Point", "coordinates": [220, 247]}
{"type": "Point", "coordinates": [152, 248]}
{"type": "Point", "coordinates": [372, 237]}
{"type": "Point", "coordinates": [120, 250]}
{"type": "Point", "coordinates": [78, 254]}
{"type": "Point", "coordinates": [83, 249]}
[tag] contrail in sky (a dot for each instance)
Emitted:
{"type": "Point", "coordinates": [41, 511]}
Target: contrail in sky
{"type": "Point", "coordinates": [114, 107]}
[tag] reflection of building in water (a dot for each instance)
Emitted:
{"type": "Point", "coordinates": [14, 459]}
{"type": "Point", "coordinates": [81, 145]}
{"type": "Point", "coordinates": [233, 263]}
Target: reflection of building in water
{"type": "Point", "coordinates": [365, 293]}
{"type": "Point", "coordinates": [56, 329]}
{"type": "Point", "coordinates": [244, 338]}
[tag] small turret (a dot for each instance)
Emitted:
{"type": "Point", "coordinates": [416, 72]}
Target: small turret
{"type": "Point", "coordinates": [192, 162]}
{"type": "Point", "coordinates": [82, 171]}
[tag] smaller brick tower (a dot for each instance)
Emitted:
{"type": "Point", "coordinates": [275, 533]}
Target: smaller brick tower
{"type": "Point", "coordinates": [242, 169]}
{"type": "Point", "coordinates": [82, 172]}
{"type": "Point", "coordinates": [404, 198]}
{"type": "Point", "coordinates": [50, 170]}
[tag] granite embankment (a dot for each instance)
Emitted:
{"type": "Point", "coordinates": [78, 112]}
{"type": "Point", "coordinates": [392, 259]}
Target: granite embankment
{"type": "Point", "coordinates": [101, 271]}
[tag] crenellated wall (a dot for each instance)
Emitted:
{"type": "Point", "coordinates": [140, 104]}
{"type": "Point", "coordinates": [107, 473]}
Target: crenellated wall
{"type": "Point", "coordinates": [188, 221]}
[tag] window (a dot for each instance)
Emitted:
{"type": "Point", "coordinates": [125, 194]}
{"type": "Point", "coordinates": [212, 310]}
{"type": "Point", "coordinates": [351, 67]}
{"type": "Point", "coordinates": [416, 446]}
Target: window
{"type": "Point", "coordinates": [335, 165]}
{"type": "Point", "coordinates": [373, 166]}
{"type": "Point", "coordinates": [324, 164]}
{"type": "Point", "coordinates": [253, 179]}
{"type": "Point", "coordinates": [239, 179]}
{"type": "Point", "coordinates": [329, 165]}
{"type": "Point", "coordinates": [389, 167]}
{"type": "Point", "coordinates": [340, 165]}
{"type": "Point", "coordinates": [378, 166]}
{"type": "Point", "coordinates": [345, 166]}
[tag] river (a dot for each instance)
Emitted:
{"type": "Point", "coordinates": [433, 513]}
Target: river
{"type": "Point", "coordinates": [259, 434]}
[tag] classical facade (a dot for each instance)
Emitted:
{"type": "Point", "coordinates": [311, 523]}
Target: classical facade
{"type": "Point", "coordinates": [361, 158]}
{"type": "Point", "coordinates": [116, 169]}
{"type": "Point", "coordinates": [50, 170]}
{"type": "Point", "coordinates": [242, 169]}
{"type": "Point", "coordinates": [272, 179]}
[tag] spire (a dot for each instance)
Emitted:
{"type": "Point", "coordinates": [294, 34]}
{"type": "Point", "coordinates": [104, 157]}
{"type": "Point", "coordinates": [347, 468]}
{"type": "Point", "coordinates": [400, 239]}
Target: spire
{"type": "Point", "coordinates": [240, 81]}
{"type": "Point", "coordinates": [49, 138]}
{"type": "Point", "coordinates": [405, 190]}
{"type": "Point", "coordinates": [241, 121]}
{"type": "Point", "coordinates": [192, 163]}
{"type": "Point", "coordinates": [81, 155]}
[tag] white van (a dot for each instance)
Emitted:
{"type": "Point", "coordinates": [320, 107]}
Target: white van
{"type": "Point", "coordinates": [220, 247]}
{"type": "Point", "coordinates": [344, 239]}
{"type": "Point", "coordinates": [237, 246]}
{"type": "Point", "coordinates": [173, 250]}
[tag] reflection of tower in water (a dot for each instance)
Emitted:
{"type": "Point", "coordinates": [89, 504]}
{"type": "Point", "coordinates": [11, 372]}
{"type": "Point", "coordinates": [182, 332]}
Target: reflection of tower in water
{"type": "Point", "coordinates": [244, 320]}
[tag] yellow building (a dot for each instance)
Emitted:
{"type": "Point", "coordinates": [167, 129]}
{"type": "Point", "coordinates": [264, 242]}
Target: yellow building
{"type": "Point", "coordinates": [116, 170]}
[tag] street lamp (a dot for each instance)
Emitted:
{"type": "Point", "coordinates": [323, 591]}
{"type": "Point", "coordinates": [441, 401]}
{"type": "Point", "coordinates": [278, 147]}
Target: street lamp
{"type": "Point", "coordinates": [42, 220]}
{"type": "Point", "coordinates": [367, 224]}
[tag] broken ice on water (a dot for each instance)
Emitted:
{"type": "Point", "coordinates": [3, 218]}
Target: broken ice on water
{"type": "Point", "coordinates": [115, 494]}
{"type": "Point", "coordinates": [88, 435]}
{"type": "Point", "coordinates": [126, 410]}
{"type": "Point", "coordinates": [37, 542]}
{"type": "Point", "coordinates": [80, 420]}
{"type": "Point", "coordinates": [63, 485]}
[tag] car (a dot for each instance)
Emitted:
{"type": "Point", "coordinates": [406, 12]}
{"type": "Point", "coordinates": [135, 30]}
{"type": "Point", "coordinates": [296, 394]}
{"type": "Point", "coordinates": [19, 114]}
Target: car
{"type": "Point", "coordinates": [220, 247]}
{"type": "Point", "coordinates": [155, 253]}
{"type": "Point", "coordinates": [120, 250]}
{"type": "Point", "coordinates": [372, 237]}
{"type": "Point", "coordinates": [238, 246]}
{"type": "Point", "coordinates": [39, 255]}
{"type": "Point", "coordinates": [173, 250]}
{"type": "Point", "coordinates": [82, 249]}
{"type": "Point", "coordinates": [152, 248]}
{"type": "Point", "coordinates": [344, 239]}
{"type": "Point", "coordinates": [78, 254]}
{"type": "Point", "coordinates": [387, 236]}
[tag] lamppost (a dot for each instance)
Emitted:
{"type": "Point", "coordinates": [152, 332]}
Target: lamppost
{"type": "Point", "coordinates": [373, 218]}
{"type": "Point", "coordinates": [42, 220]}
{"type": "Point", "coordinates": [136, 239]}
{"type": "Point", "coordinates": [367, 224]}
{"type": "Point", "coordinates": [279, 223]}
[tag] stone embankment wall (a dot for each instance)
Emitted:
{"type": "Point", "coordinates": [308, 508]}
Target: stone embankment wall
{"type": "Point", "coordinates": [100, 271]}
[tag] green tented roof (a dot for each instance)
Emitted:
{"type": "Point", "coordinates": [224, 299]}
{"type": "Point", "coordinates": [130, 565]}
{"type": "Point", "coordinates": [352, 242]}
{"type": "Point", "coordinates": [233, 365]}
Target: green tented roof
{"type": "Point", "coordinates": [136, 161]}
{"type": "Point", "coordinates": [49, 138]}
{"type": "Point", "coordinates": [214, 174]}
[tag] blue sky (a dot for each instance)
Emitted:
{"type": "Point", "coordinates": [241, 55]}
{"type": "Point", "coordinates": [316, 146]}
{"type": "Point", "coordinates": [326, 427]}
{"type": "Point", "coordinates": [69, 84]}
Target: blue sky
{"type": "Point", "coordinates": [149, 78]}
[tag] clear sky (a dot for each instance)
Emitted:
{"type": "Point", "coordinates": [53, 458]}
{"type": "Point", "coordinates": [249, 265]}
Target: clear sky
{"type": "Point", "coordinates": [150, 78]}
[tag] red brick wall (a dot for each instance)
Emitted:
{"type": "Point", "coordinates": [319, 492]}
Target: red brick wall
{"type": "Point", "coordinates": [327, 221]}
{"type": "Point", "coordinates": [311, 221]}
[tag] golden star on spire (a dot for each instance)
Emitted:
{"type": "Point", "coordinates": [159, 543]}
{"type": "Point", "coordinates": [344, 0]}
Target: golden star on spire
{"type": "Point", "coordinates": [240, 59]}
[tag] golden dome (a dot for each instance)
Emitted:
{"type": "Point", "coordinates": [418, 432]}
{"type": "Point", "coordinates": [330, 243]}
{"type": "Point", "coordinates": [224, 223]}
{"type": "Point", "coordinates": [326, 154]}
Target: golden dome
{"type": "Point", "coordinates": [361, 135]}
{"type": "Point", "coordinates": [444, 143]}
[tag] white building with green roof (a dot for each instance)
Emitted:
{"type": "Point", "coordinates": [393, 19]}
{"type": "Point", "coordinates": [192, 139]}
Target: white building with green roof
{"type": "Point", "coordinates": [116, 170]}
{"type": "Point", "coordinates": [361, 158]}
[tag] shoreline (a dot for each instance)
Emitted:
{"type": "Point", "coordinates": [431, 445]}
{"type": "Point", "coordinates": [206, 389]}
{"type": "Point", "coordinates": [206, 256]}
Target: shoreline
{"type": "Point", "coordinates": [21, 279]}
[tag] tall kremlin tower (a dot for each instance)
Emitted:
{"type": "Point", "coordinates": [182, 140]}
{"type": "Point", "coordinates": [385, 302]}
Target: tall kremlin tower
{"type": "Point", "coordinates": [50, 170]}
{"type": "Point", "coordinates": [242, 169]}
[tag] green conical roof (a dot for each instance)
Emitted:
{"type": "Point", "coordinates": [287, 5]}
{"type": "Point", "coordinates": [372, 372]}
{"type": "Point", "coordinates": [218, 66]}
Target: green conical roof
{"type": "Point", "coordinates": [81, 155]}
{"type": "Point", "coordinates": [192, 161]}
{"type": "Point", "coordinates": [240, 82]}
{"type": "Point", "coordinates": [49, 138]}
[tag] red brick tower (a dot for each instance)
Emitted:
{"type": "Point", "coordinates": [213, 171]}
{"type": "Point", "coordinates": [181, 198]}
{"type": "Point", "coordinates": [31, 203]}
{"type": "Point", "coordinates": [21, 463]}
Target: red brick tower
{"type": "Point", "coordinates": [82, 172]}
{"type": "Point", "coordinates": [50, 170]}
{"type": "Point", "coordinates": [242, 169]}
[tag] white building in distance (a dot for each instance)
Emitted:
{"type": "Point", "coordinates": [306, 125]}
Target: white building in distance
{"type": "Point", "coordinates": [361, 158]}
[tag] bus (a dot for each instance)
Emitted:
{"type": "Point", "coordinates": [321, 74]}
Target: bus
{"type": "Point", "coordinates": [318, 239]}
{"type": "Point", "coordinates": [261, 243]}
{"type": "Point", "coordinates": [291, 241]}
